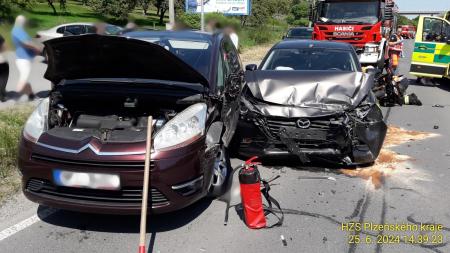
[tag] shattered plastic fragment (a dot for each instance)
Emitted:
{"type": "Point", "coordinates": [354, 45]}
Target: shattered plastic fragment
{"type": "Point", "coordinates": [387, 164]}
{"type": "Point", "coordinates": [283, 240]}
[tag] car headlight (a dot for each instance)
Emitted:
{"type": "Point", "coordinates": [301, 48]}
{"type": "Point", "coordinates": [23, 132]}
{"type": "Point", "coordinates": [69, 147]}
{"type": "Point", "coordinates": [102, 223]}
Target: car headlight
{"type": "Point", "coordinates": [37, 122]}
{"type": "Point", "coordinates": [371, 50]}
{"type": "Point", "coordinates": [186, 127]}
{"type": "Point", "coordinates": [368, 110]}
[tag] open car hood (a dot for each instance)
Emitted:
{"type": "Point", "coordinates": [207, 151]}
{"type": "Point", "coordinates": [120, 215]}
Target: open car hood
{"type": "Point", "coordinates": [332, 90]}
{"type": "Point", "coordinates": [97, 56]}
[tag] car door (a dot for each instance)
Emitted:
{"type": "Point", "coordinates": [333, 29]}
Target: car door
{"type": "Point", "coordinates": [230, 80]}
{"type": "Point", "coordinates": [431, 56]}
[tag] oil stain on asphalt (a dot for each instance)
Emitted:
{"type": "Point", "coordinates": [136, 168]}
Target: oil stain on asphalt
{"type": "Point", "coordinates": [388, 161]}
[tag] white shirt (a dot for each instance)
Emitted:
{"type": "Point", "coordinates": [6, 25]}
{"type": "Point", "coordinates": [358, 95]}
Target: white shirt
{"type": "Point", "coordinates": [235, 39]}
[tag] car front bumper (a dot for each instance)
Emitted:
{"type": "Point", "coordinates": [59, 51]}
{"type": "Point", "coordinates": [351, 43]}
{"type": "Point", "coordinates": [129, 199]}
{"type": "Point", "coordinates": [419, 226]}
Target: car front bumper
{"type": "Point", "coordinates": [178, 179]}
{"type": "Point", "coordinates": [331, 145]}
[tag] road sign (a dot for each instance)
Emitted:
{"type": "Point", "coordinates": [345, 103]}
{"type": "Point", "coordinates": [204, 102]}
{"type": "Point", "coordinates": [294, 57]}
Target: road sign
{"type": "Point", "coordinates": [227, 7]}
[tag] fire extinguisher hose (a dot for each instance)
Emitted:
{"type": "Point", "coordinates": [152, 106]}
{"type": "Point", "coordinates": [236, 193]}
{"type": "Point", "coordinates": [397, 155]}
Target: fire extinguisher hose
{"type": "Point", "coordinates": [277, 212]}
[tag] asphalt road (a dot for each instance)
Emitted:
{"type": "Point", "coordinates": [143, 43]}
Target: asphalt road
{"type": "Point", "coordinates": [408, 185]}
{"type": "Point", "coordinates": [40, 85]}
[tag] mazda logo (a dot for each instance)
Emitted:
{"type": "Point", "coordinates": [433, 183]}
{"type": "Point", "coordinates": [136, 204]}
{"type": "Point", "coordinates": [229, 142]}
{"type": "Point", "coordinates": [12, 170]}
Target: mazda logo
{"type": "Point", "coordinates": [303, 123]}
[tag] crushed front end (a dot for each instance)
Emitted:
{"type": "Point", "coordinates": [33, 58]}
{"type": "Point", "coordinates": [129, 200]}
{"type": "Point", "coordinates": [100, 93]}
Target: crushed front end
{"type": "Point", "coordinates": [321, 134]}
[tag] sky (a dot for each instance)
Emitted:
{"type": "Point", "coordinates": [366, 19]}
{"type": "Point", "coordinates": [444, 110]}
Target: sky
{"type": "Point", "coordinates": [424, 5]}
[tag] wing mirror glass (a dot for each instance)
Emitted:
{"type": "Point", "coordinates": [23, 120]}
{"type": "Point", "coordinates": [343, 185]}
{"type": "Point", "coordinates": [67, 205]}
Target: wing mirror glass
{"type": "Point", "coordinates": [234, 84]}
{"type": "Point", "coordinates": [251, 67]}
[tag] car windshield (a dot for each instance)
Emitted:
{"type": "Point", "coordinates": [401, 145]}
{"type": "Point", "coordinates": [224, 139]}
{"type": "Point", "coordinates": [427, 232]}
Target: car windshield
{"type": "Point", "coordinates": [196, 53]}
{"type": "Point", "coordinates": [300, 33]}
{"type": "Point", "coordinates": [310, 59]}
{"type": "Point", "coordinates": [365, 12]}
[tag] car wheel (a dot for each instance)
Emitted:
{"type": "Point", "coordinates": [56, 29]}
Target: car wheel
{"type": "Point", "coordinates": [221, 172]}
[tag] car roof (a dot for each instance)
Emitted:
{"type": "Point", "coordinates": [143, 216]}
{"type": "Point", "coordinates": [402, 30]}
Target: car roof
{"type": "Point", "coordinates": [301, 28]}
{"type": "Point", "coordinates": [76, 23]}
{"type": "Point", "coordinates": [186, 34]}
{"type": "Point", "coordinates": [293, 44]}
{"type": "Point", "coordinates": [81, 23]}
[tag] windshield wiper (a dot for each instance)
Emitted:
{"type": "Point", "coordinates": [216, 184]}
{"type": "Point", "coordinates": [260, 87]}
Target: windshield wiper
{"type": "Point", "coordinates": [350, 22]}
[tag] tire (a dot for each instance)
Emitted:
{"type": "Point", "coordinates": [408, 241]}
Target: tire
{"type": "Point", "coordinates": [221, 173]}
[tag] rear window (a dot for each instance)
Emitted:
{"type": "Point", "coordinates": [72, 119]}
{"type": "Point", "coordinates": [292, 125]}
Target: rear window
{"type": "Point", "coordinates": [299, 33]}
{"type": "Point", "coordinates": [310, 59]}
{"type": "Point", "coordinates": [196, 53]}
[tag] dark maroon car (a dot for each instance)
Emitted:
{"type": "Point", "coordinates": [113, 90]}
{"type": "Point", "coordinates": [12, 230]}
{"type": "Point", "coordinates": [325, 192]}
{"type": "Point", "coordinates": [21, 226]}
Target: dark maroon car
{"type": "Point", "coordinates": [83, 147]}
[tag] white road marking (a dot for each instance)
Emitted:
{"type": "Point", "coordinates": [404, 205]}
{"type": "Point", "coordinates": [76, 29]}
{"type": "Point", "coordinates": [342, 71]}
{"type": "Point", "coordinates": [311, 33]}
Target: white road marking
{"type": "Point", "coordinates": [25, 223]}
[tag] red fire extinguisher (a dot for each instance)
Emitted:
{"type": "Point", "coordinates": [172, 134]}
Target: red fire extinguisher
{"type": "Point", "coordinates": [250, 182]}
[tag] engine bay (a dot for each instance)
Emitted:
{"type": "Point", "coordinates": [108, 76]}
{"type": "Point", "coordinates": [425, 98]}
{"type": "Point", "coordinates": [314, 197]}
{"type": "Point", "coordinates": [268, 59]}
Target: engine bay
{"type": "Point", "coordinates": [114, 116]}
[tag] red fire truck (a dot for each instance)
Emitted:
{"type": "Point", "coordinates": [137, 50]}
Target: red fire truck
{"type": "Point", "coordinates": [366, 24]}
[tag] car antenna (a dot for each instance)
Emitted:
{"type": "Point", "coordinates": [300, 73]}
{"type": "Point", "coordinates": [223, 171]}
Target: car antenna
{"type": "Point", "coordinates": [145, 188]}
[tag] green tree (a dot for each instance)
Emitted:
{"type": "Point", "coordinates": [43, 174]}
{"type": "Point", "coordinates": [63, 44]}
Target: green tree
{"type": "Point", "coordinates": [299, 13]}
{"type": "Point", "coordinates": [7, 7]}
{"type": "Point", "coordinates": [402, 20]}
{"type": "Point", "coordinates": [415, 21]}
{"type": "Point", "coordinates": [62, 5]}
{"type": "Point", "coordinates": [145, 4]}
{"type": "Point", "coordinates": [115, 8]}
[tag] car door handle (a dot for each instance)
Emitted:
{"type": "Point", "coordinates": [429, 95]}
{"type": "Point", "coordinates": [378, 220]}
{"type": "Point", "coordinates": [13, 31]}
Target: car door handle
{"type": "Point", "coordinates": [423, 47]}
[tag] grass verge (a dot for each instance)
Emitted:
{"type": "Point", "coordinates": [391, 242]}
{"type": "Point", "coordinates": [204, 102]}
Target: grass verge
{"type": "Point", "coordinates": [255, 54]}
{"type": "Point", "coordinates": [11, 123]}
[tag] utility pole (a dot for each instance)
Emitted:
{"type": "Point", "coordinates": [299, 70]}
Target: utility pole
{"type": "Point", "coordinates": [171, 14]}
{"type": "Point", "coordinates": [202, 16]}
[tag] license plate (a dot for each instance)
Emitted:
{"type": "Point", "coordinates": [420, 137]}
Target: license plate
{"type": "Point", "coordinates": [86, 180]}
{"type": "Point", "coordinates": [307, 134]}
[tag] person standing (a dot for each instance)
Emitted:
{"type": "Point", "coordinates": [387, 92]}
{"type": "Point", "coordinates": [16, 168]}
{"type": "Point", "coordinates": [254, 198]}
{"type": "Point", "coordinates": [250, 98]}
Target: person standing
{"type": "Point", "coordinates": [395, 50]}
{"type": "Point", "coordinates": [231, 32]}
{"type": "Point", "coordinates": [4, 70]}
{"type": "Point", "coordinates": [25, 52]}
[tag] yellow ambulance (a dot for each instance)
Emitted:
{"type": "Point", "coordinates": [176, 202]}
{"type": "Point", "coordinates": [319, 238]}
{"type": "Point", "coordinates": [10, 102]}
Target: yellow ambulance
{"type": "Point", "coordinates": [431, 56]}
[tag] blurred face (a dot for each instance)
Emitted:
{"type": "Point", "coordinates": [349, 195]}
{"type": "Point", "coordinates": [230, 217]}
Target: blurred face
{"type": "Point", "coordinates": [20, 21]}
{"type": "Point", "coordinates": [100, 28]}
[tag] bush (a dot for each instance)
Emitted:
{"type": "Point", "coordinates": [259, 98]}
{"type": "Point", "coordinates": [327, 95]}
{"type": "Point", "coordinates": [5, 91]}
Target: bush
{"type": "Point", "coordinates": [11, 124]}
{"type": "Point", "coordinates": [192, 21]}
{"type": "Point", "coordinates": [252, 36]}
{"type": "Point", "coordinates": [301, 22]}
{"type": "Point", "coordinates": [261, 35]}
{"type": "Point", "coordinates": [189, 20]}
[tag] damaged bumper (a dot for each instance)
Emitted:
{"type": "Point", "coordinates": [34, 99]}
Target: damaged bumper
{"type": "Point", "coordinates": [335, 137]}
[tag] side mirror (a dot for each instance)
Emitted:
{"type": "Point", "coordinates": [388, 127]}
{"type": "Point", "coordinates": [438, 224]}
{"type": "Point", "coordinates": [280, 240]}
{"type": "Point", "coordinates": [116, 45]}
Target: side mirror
{"type": "Point", "coordinates": [234, 84]}
{"type": "Point", "coordinates": [448, 41]}
{"type": "Point", "coordinates": [234, 79]}
{"type": "Point", "coordinates": [251, 67]}
{"type": "Point", "coordinates": [284, 37]}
